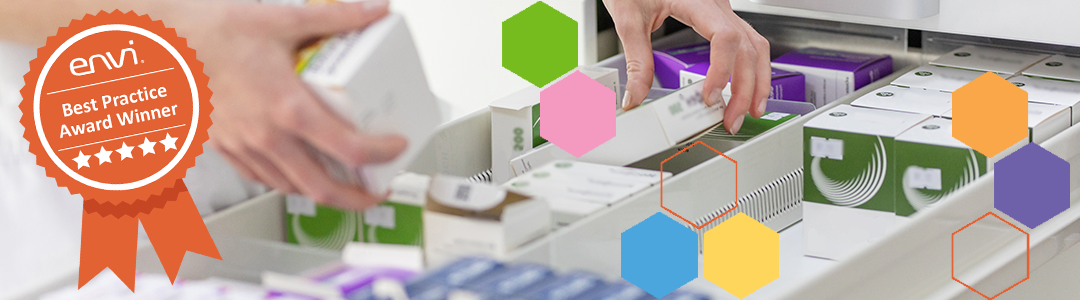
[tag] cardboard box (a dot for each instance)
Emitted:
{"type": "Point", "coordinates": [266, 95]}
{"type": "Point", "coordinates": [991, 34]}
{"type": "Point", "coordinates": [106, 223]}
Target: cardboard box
{"type": "Point", "coordinates": [515, 121]}
{"type": "Point", "coordinates": [850, 184]}
{"type": "Point", "coordinates": [936, 78]}
{"type": "Point", "coordinates": [642, 132]}
{"type": "Point", "coordinates": [1046, 121]}
{"type": "Point", "coordinates": [574, 190]}
{"type": "Point", "coordinates": [668, 62]}
{"type": "Point", "coordinates": [1051, 91]}
{"type": "Point", "coordinates": [373, 78]}
{"type": "Point", "coordinates": [474, 219]}
{"type": "Point", "coordinates": [310, 224]}
{"type": "Point", "coordinates": [904, 99]}
{"type": "Point", "coordinates": [399, 219]}
{"type": "Point", "coordinates": [1058, 67]}
{"type": "Point", "coordinates": [932, 164]}
{"type": "Point", "coordinates": [785, 85]}
{"type": "Point", "coordinates": [983, 59]}
{"type": "Point", "coordinates": [831, 74]}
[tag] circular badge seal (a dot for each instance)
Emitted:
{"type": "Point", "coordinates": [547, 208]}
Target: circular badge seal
{"type": "Point", "coordinates": [116, 107]}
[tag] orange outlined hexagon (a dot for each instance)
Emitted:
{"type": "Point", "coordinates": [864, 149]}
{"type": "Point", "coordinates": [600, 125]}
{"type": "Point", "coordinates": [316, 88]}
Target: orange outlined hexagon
{"type": "Point", "coordinates": [952, 256]}
{"type": "Point", "coordinates": [681, 217]}
{"type": "Point", "coordinates": [990, 114]}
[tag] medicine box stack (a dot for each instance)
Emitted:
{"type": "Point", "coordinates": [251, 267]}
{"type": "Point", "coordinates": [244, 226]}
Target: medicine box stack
{"type": "Point", "coordinates": [831, 74]}
{"type": "Point", "coordinates": [399, 219]}
{"type": "Point", "coordinates": [1058, 67]}
{"type": "Point", "coordinates": [931, 164]}
{"type": "Point", "coordinates": [1046, 120]}
{"type": "Point", "coordinates": [1049, 91]}
{"type": "Point", "coordinates": [515, 121]}
{"type": "Point", "coordinates": [936, 78]}
{"type": "Point", "coordinates": [574, 190]}
{"type": "Point", "coordinates": [485, 278]}
{"type": "Point", "coordinates": [785, 85]}
{"type": "Point", "coordinates": [1005, 63]}
{"type": "Point", "coordinates": [643, 131]}
{"type": "Point", "coordinates": [463, 218]}
{"type": "Point", "coordinates": [850, 187]}
{"type": "Point", "coordinates": [373, 78]}
{"type": "Point", "coordinates": [913, 100]}
{"type": "Point", "coordinates": [669, 62]}
{"type": "Point", "coordinates": [310, 224]}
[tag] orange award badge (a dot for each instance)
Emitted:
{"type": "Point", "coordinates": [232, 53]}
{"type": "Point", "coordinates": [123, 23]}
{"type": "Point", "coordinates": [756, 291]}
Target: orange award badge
{"type": "Point", "coordinates": [116, 109]}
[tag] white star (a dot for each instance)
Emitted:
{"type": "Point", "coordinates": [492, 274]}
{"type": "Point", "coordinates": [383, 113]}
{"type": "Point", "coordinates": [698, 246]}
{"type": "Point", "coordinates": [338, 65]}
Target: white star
{"type": "Point", "coordinates": [82, 160]}
{"type": "Point", "coordinates": [169, 142]}
{"type": "Point", "coordinates": [147, 146]}
{"type": "Point", "coordinates": [103, 156]}
{"type": "Point", "coordinates": [125, 151]}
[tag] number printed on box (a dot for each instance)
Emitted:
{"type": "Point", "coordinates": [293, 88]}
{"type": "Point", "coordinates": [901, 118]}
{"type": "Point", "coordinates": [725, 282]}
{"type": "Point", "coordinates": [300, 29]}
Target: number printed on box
{"type": "Point", "coordinates": [827, 148]}
{"type": "Point", "coordinates": [923, 178]}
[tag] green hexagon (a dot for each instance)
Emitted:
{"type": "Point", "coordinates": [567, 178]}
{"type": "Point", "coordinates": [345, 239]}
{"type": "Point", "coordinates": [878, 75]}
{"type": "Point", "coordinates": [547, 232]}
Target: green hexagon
{"type": "Point", "coordinates": [539, 44]}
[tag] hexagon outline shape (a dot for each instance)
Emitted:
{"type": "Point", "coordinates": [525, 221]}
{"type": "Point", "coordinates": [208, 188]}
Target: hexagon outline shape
{"type": "Point", "coordinates": [720, 229]}
{"type": "Point", "coordinates": [565, 129]}
{"type": "Point", "coordinates": [714, 218]}
{"type": "Point", "coordinates": [539, 76]}
{"type": "Point", "coordinates": [952, 256]}
{"type": "Point", "coordinates": [975, 122]}
{"type": "Point", "coordinates": [692, 254]}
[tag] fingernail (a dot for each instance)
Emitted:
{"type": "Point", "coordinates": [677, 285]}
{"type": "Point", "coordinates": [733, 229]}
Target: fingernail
{"type": "Point", "coordinates": [761, 106]}
{"type": "Point", "coordinates": [626, 100]}
{"type": "Point", "coordinates": [735, 125]}
{"type": "Point", "coordinates": [714, 97]}
{"type": "Point", "coordinates": [376, 4]}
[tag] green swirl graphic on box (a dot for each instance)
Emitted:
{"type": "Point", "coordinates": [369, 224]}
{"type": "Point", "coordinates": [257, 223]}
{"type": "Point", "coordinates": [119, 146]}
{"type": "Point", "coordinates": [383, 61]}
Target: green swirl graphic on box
{"type": "Point", "coordinates": [851, 187]}
{"type": "Point", "coordinates": [849, 169]}
{"type": "Point", "coordinates": [319, 226]}
{"type": "Point", "coordinates": [934, 164]}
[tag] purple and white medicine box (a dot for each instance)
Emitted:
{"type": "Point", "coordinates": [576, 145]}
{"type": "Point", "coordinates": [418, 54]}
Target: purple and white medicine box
{"type": "Point", "coordinates": [832, 74]}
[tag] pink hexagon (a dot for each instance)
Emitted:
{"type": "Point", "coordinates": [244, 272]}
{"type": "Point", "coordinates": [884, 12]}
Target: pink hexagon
{"type": "Point", "coordinates": [576, 114]}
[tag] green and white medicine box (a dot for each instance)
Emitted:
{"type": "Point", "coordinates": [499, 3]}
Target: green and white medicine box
{"type": "Point", "coordinates": [310, 224]}
{"type": "Point", "coordinates": [574, 190]}
{"type": "Point", "coordinates": [399, 219]}
{"type": "Point", "coordinates": [937, 78]}
{"type": "Point", "coordinates": [896, 98]}
{"type": "Point", "coordinates": [1046, 120]}
{"type": "Point", "coordinates": [932, 164]}
{"type": "Point", "coordinates": [983, 59]}
{"type": "Point", "coordinates": [1058, 67]}
{"type": "Point", "coordinates": [515, 121]}
{"type": "Point", "coordinates": [849, 187]}
{"type": "Point", "coordinates": [1051, 91]}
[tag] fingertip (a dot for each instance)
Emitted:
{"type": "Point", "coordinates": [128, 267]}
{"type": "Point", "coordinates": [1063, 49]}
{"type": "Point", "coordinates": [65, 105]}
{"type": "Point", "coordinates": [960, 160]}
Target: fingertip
{"type": "Point", "coordinates": [759, 109]}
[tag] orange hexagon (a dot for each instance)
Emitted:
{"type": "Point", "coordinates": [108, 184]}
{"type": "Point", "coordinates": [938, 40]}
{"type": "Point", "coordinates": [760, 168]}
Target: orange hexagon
{"type": "Point", "coordinates": [662, 185]}
{"type": "Point", "coordinates": [952, 257]}
{"type": "Point", "coordinates": [990, 114]}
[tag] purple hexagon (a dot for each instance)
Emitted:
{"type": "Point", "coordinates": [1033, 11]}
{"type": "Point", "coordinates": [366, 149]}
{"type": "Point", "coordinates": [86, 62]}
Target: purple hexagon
{"type": "Point", "coordinates": [1031, 185]}
{"type": "Point", "coordinates": [576, 114]}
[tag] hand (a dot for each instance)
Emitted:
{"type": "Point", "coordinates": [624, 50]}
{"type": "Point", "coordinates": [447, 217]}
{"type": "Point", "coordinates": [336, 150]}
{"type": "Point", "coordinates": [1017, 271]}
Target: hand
{"type": "Point", "coordinates": [737, 52]}
{"type": "Point", "coordinates": [265, 117]}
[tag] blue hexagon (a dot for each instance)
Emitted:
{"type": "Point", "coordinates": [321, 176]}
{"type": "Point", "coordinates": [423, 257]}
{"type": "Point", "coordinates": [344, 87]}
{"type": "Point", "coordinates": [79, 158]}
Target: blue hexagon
{"type": "Point", "coordinates": [1031, 185]}
{"type": "Point", "coordinates": [659, 255]}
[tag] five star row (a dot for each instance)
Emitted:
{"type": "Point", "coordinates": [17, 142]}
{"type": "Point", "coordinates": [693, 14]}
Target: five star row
{"type": "Point", "coordinates": [105, 156]}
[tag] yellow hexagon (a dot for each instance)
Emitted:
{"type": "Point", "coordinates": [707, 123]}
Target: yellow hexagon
{"type": "Point", "coordinates": [990, 114]}
{"type": "Point", "coordinates": [741, 255]}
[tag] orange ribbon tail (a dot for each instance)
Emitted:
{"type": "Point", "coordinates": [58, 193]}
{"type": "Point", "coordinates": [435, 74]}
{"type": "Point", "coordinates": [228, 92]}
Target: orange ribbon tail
{"type": "Point", "coordinates": [108, 241]}
{"type": "Point", "coordinates": [176, 229]}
